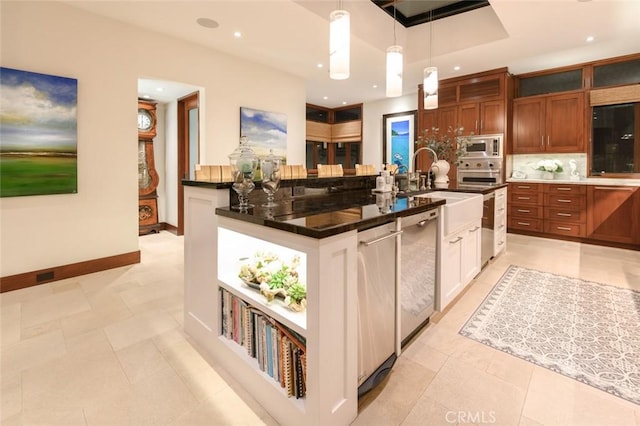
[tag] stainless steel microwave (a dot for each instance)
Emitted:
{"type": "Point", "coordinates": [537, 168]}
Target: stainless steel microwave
{"type": "Point", "coordinates": [485, 146]}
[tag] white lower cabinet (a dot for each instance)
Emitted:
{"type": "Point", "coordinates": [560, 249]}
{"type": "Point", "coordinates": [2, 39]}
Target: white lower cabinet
{"type": "Point", "coordinates": [500, 222]}
{"type": "Point", "coordinates": [459, 261]}
{"type": "Point", "coordinates": [216, 315]}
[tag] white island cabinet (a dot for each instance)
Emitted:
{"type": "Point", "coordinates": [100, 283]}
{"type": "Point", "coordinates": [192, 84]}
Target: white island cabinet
{"type": "Point", "coordinates": [215, 246]}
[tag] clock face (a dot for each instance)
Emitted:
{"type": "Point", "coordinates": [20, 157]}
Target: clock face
{"type": "Point", "coordinates": [144, 120]}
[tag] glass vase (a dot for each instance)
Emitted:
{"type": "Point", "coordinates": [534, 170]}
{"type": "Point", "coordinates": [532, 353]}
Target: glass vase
{"type": "Point", "coordinates": [270, 168]}
{"type": "Point", "coordinates": [244, 163]}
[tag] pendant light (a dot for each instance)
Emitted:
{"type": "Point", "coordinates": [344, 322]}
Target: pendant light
{"type": "Point", "coordinates": [394, 64]}
{"type": "Point", "coordinates": [339, 41]}
{"type": "Point", "coordinates": [430, 82]}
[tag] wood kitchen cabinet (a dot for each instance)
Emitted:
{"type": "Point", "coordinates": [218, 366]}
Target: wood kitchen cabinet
{"type": "Point", "coordinates": [565, 209]}
{"type": "Point", "coordinates": [614, 214]}
{"type": "Point", "coordinates": [482, 118]}
{"type": "Point", "coordinates": [525, 206]}
{"type": "Point", "coordinates": [552, 123]}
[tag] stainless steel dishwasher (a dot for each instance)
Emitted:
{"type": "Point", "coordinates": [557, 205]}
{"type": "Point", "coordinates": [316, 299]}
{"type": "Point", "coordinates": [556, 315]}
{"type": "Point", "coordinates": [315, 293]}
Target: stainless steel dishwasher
{"type": "Point", "coordinates": [377, 274]}
{"type": "Point", "coordinates": [418, 271]}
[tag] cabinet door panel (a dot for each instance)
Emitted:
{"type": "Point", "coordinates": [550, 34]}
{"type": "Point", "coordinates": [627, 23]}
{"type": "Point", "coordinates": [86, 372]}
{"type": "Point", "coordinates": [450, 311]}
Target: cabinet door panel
{"type": "Point", "coordinates": [492, 117]}
{"type": "Point", "coordinates": [447, 118]}
{"type": "Point", "coordinates": [468, 118]}
{"type": "Point", "coordinates": [471, 246]}
{"type": "Point", "coordinates": [450, 273]}
{"type": "Point", "coordinates": [528, 123]}
{"type": "Point", "coordinates": [564, 124]}
{"type": "Point", "coordinates": [613, 214]}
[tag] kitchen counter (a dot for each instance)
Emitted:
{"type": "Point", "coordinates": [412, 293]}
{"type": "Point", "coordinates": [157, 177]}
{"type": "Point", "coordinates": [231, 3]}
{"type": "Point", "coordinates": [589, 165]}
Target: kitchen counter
{"type": "Point", "coordinates": [582, 181]}
{"type": "Point", "coordinates": [329, 215]}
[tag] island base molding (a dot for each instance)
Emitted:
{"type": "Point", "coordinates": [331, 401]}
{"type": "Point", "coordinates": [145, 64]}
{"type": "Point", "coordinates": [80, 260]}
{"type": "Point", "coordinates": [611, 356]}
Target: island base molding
{"type": "Point", "coordinates": [56, 273]}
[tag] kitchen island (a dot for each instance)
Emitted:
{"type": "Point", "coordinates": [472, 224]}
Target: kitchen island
{"type": "Point", "coordinates": [321, 231]}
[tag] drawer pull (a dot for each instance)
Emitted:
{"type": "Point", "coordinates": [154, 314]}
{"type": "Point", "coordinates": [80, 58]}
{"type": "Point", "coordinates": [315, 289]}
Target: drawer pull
{"type": "Point", "coordinates": [563, 189]}
{"type": "Point", "coordinates": [455, 241]}
{"type": "Point", "coordinates": [615, 188]}
{"type": "Point", "coordinates": [523, 187]}
{"type": "Point", "coordinates": [501, 209]}
{"type": "Point", "coordinates": [475, 229]}
{"type": "Point", "coordinates": [563, 228]}
{"type": "Point", "coordinates": [564, 214]}
{"type": "Point", "coordinates": [501, 243]}
{"type": "Point", "coordinates": [523, 211]}
{"type": "Point", "coordinates": [524, 223]}
{"type": "Point", "coordinates": [501, 227]}
{"type": "Point", "coordinates": [564, 201]}
{"type": "Point", "coordinates": [524, 198]}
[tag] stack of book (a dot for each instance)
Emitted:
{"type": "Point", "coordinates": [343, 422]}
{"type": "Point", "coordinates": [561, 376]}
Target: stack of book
{"type": "Point", "coordinates": [280, 351]}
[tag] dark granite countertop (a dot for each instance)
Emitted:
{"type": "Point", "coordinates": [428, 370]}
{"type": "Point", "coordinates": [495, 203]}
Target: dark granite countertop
{"type": "Point", "coordinates": [330, 206]}
{"type": "Point", "coordinates": [331, 215]}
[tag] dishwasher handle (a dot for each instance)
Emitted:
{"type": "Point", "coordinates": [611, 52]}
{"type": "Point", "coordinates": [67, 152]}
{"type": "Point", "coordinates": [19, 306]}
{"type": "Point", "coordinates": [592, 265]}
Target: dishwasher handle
{"type": "Point", "coordinates": [379, 239]}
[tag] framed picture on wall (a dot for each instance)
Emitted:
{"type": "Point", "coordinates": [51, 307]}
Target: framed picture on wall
{"type": "Point", "coordinates": [38, 136]}
{"type": "Point", "coordinates": [265, 131]}
{"type": "Point", "coordinates": [398, 139]}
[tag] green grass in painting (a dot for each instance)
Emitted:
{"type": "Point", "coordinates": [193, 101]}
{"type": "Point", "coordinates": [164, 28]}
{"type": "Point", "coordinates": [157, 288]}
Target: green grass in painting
{"type": "Point", "coordinates": [37, 175]}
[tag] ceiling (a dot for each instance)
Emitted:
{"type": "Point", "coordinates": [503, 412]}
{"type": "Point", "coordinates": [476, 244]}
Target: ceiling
{"type": "Point", "coordinates": [293, 36]}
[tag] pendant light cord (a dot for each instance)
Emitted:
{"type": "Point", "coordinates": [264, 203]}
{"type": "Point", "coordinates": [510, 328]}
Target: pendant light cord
{"type": "Point", "coordinates": [430, 33]}
{"type": "Point", "coordinates": [394, 23]}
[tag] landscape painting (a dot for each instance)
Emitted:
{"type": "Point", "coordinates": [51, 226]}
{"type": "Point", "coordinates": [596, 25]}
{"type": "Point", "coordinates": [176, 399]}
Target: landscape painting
{"type": "Point", "coordinates": [38, 134]}
{"type": "Point", "coordinates": [398, 139]}
{"type": "Point", "coordinates": [265, 131]}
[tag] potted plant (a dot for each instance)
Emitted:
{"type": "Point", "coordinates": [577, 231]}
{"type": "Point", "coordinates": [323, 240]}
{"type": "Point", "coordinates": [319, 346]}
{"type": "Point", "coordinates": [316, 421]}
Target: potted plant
{"type": "Point", "coordinates": [549, 168]}
{"type": "Point", "coordinates": [449, 146]}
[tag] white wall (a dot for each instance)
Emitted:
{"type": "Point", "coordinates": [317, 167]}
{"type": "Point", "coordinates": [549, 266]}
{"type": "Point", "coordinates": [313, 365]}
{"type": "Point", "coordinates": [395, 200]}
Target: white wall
{"type": "Point", "coordinates": [101, 219]}
{"type": "Point", "coordinates": [372, 124]}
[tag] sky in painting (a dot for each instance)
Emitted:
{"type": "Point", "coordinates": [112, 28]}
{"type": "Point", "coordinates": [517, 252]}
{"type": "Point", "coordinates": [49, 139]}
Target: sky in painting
{"type": "Point", "coordinates": [37, 112]}
{"type": "Point", "coordinates": [264, 131]}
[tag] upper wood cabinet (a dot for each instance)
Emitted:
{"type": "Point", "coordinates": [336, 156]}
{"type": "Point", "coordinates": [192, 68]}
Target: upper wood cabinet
{"type": "Point", "coordinates": [479, 103]}
{"type": "Point", "coordinates": [482, 118]}
{"type": "Point", "coordinates": [553, 123]}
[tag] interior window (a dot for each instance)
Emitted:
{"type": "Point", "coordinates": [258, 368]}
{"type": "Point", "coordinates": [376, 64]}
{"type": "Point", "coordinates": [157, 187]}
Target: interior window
{"type": "Point", "coordinates": [615, 143]}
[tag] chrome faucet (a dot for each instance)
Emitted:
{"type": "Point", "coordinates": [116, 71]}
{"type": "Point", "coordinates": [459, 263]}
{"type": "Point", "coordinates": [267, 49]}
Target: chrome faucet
{"type": "Point", "coordinates": [415, 154]}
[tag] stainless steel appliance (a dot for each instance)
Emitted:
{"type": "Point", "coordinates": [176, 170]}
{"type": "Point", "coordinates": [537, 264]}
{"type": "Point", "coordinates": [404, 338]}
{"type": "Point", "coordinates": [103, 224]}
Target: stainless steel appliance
{"type": "Point", "coordinates": [417, 272]}
{"type": "Point", "coordinates": [488, 219]}
{"type": "Point", "coordinates": [377, 254]}
{"type": "Point", "coordinates": [482, 165]}
{"type": "Point", "coordinates": [485, 146]}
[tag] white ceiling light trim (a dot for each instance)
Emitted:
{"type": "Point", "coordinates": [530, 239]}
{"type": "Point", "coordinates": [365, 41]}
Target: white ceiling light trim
{"type": "Point", "coordinates": [339, 44]}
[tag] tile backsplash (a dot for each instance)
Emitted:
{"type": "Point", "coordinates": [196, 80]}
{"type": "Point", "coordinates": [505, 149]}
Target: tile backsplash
{"type": "Point", "coordinates": [527, 163]}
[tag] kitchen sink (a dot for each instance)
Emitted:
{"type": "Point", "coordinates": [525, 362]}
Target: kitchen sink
{"type": "Point", "coordinates": [460, 208]}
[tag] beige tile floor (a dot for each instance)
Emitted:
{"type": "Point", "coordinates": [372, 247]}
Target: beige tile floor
{"type": "Point", "coordinates": [109, 349]}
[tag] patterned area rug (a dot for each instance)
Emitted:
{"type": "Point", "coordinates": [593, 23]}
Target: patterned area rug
{"type": "Point", "coordinates": [584, 330]}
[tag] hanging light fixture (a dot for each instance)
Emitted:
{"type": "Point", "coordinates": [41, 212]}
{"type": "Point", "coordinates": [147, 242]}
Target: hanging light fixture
{"type": "Point", "coordinates": [339, 41]}
{"type": "Point", "coordinates": [430, 82]}
{"type": "Point", "coordinates": [394, 64]}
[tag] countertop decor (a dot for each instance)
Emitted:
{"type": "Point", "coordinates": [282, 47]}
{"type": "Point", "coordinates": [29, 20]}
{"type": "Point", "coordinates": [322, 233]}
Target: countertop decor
{"type": "Point", "coordinates": [449, 145]}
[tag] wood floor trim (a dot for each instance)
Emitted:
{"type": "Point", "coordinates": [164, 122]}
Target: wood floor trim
{"type": "Point", "coordinates": [56, 273]}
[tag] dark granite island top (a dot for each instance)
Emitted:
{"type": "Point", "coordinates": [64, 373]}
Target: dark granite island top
{"type": "Point", "coordinates": [333, 214]}
{"type": "Point", "coordinates": [330, 206]}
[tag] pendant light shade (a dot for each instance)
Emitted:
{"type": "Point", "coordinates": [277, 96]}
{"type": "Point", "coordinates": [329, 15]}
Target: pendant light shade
{"type": "Point", "coordinates": [339, 41]}
{"type": "Point", "coordinates": [430, 87]}
{"type": "Point", "coordinates": [394, 71]}
{"type": "Point", "coordinates": [430, 78]}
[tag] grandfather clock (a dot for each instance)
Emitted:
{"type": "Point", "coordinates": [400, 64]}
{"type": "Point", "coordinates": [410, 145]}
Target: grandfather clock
{"type": "Point", "coordinates": [147, 175]}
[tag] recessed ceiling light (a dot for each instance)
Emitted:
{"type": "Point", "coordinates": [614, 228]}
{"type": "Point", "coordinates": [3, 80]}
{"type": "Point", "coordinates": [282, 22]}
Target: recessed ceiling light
{"type": "Point", "coordinates": [590, 39]}
{"type": "Point", "coordinates": [319, 65]}
{"type": "Point", "coordinates": [325, 97]}
{"type": "Point", "coordinates": [237, 34]}
{"type": "Point", "coordinates": [375, 86]}
{"type": "Point", "coordinates": [160, 89]}
{"type": "Point", "coordinates": [344, 102]}
{"type": "Point", "coordinates": [207, 23]}
{"type": "Point", "coordinates": [146, 96]}
{"type": "Point", "coordinates": [456, 68]}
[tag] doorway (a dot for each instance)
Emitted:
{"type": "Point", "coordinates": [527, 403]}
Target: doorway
{"type": "Point", "coordinates": [188, 147]}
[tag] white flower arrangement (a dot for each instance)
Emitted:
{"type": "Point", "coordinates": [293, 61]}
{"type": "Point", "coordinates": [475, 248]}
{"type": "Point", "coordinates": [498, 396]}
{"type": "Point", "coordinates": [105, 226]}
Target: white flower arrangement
{"type": "Point", "coordinates": [554, 166]}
